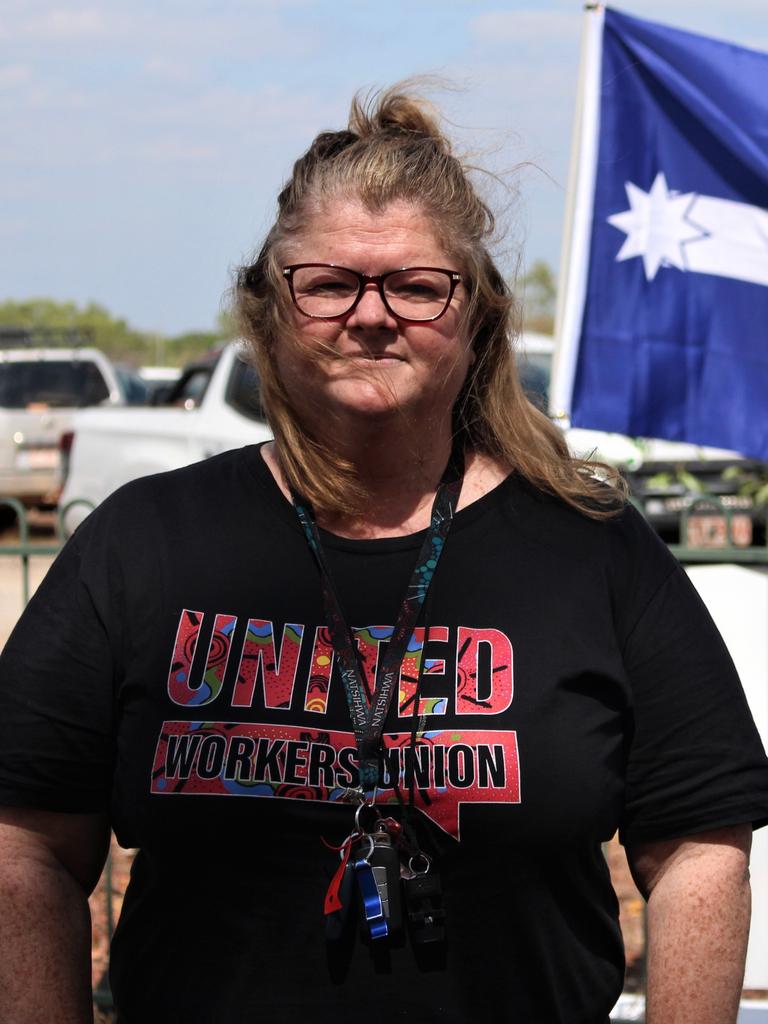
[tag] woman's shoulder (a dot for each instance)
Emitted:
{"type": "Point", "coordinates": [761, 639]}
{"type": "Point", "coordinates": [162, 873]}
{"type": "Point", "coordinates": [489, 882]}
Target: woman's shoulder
{"type": "Point", "coordinates": [235, 467]}
{"type": "Point", "coordinates": [609, 531]}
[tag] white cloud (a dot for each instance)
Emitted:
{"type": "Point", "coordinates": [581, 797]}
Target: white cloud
{"type": "Point", "coordinates": [15, 74]}
{"type": "Point", "coordinates": [173, 33]}
{"type": "Point", "coordinates": [168, 70]}
{"type": "Point", "coordinates": [503, 28]}
{"type": "Point", "coordinates": [66, 23]}
{"type": "Point", "coordinates": [10, 228]}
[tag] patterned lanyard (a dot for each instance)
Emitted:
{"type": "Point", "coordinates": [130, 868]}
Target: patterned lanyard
{"type": "Point", "coordinates": [368, 718]}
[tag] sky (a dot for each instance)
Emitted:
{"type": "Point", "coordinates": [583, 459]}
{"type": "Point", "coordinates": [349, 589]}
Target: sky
{"type": "Point", "coordinates": [145, 141]}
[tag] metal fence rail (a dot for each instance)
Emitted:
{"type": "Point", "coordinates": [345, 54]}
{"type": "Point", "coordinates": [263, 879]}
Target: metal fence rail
{"type": "Point", "coordinates": [24, 549]}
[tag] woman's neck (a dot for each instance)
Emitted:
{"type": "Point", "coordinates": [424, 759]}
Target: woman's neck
{"type": "Point", "coordinates": [401, 476]}
{"type": "Point", "coordinates": [400, 481]}
{"type": "Point", "coordinates": [399, 470]}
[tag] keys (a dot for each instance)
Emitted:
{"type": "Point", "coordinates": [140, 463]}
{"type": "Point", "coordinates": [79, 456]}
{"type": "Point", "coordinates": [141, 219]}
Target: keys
{"type": "Point", "coordinates": [384, 878]}
{"type": "Point", "coordinates": [372, 862]}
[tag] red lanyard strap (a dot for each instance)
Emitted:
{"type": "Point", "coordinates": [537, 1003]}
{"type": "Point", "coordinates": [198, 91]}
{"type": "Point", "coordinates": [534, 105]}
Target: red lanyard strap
{"type": "Point", "coordinates": [368, 717]}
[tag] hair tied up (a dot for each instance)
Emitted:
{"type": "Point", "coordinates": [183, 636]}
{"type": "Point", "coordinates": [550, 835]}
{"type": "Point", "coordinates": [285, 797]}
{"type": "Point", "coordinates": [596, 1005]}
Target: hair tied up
{"type": "Point", "coordinates": [394, 112]}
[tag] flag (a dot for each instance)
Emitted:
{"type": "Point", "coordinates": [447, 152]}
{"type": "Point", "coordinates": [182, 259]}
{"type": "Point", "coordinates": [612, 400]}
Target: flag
{"type": "Point", "coordinates": [664, 326]}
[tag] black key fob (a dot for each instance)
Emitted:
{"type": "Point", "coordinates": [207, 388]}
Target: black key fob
{"type": "Point", "coordinates": [426, 912]}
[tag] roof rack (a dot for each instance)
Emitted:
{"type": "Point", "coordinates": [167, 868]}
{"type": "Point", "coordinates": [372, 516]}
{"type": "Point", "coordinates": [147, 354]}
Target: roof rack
{"type": "Point", "coordinates": [45, 337]}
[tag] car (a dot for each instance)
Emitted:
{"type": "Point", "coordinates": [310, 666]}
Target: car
{"type": "Point", "coordinates": [159, 382]}
{"type": "Point", "coordinates": [213, 407]}
{"type": "Point", "coordinates": [132, 385]}
{"type": "Point", "coordinates": [41, 388]}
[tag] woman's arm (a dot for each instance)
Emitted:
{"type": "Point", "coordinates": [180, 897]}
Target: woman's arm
{"type": "Point", "coordinates": [698, 895]}
{"type": "Point", "coordinates": [49, 864]}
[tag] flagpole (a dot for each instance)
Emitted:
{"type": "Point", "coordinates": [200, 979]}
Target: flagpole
{"type": "Point", "coordinates": [577, 225]}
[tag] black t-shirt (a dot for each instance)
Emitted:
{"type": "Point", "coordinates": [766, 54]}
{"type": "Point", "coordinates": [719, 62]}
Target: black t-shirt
{"type": "Point", "coordinates": [175, 669]}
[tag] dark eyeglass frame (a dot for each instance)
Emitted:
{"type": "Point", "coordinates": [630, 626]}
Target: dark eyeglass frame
{"type": "Point", "coordinates": [378, 279]}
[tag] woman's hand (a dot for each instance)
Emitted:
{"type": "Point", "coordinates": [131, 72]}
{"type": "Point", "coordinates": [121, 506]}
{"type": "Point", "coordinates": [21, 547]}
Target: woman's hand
{"type": "Point", "coordinates": [49, 864]}
{"type": "Point", "coordinates": [698, 895]}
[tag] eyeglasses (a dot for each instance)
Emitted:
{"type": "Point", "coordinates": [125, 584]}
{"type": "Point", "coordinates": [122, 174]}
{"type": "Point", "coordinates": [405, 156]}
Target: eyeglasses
{"type": "Point", "coordinates": [417, 294]}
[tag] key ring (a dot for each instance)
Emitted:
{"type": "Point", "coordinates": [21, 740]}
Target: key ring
{"type": "Point", "coordinates": [371, 847]}
{"type": "Point", "coordinates": [345, 849]}
{"type": "Point", "coordinates": [424, 858]}
{"type": "Point", "coordinates": [367, 805]}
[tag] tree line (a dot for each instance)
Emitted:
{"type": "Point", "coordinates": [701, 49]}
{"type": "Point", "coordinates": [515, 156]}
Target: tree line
{"type": "Point", "coordinates": [126, 344]}
{"type": "Point", "coordinates": [113, 335]}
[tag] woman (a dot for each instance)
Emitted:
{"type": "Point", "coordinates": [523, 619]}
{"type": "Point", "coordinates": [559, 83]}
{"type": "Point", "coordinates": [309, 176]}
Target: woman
{"type": "Point", "coordinates": [520, 668]}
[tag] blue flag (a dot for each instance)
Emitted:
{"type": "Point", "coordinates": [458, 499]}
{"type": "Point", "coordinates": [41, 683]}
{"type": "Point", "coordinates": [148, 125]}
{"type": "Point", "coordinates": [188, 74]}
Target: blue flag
{"type": "Point", "coordinates": [665, 332]}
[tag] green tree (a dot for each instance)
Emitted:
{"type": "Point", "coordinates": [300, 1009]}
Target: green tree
{"type": "Point", "coordinates": [111, 334]}
{"type": "Point", "coordinates": [538, 292]}
{"type": "Point", "coordinates": [183, 348]}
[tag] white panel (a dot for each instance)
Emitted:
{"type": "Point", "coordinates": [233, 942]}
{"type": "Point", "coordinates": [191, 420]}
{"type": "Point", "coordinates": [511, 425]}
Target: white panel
{"type": "Point", "coordinates": [737, 598]}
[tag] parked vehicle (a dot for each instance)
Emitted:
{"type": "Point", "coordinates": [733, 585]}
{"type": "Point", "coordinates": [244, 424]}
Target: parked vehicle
{"type": "Point", "coordinates": [41, 387]}
{"type": "Point", "coordinates": [133, 387]}
{"type": "Point", "coordinates": [214, 406]}
{"type": "Point", "coordinates": [159, 382]}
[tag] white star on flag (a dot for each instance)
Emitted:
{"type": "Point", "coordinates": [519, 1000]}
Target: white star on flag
{"type": "Point", "coordinates": [656, 226]}
{"type": "Point", "coordinates": [695, 233]}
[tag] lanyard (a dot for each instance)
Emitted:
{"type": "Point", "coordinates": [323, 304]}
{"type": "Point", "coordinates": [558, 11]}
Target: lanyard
{"type": "Point", "coordinates": [368, 716]}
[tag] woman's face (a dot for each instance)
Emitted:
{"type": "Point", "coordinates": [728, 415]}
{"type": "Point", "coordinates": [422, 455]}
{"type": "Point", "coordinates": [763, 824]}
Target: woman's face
{"type": "Point", "coordinates": [368, 364]}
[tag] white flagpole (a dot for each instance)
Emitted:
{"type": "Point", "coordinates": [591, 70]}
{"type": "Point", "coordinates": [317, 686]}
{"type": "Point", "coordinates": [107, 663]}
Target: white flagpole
{"type": "Point", "coordinates": [574, 253]}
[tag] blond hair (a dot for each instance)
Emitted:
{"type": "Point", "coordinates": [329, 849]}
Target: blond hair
{"type": "Point", "coordinates": [394, 150]}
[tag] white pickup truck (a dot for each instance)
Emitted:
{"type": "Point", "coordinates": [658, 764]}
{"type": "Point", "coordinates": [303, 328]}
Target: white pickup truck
{"type": "Point", "coordinates": [213, 407]}
{"type": "Point", "coordinates": [41, 388]}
